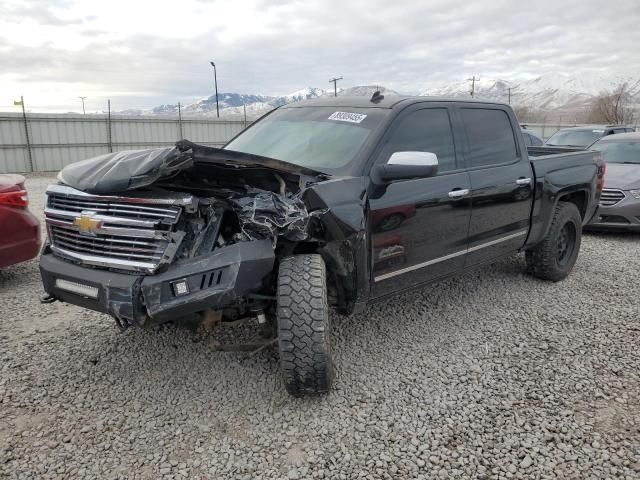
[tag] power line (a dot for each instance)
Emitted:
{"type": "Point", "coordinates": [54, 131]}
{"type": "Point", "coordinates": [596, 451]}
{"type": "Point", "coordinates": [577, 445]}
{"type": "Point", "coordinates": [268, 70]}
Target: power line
{"type": "Point", "coordinates": [335, 87]}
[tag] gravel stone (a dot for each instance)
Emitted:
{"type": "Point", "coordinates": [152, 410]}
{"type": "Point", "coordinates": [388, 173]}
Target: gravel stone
{"type": "Point", "coordinates": [492, 374]}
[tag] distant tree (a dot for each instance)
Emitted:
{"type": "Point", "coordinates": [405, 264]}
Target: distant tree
{"type": "Point", "coordinates": [612, 107]}
{"type": "Point", "coordinates": [527, 114]}
{"type": "Point", "coordinates": [522, 112]}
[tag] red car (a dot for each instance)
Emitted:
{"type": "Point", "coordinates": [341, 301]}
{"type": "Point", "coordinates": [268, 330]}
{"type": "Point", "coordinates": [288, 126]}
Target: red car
{"type": "Point", "coordinates": [19, 229]}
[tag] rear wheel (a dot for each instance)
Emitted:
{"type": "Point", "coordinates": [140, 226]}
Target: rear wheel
{"type": "Point", "coordinates": [303, 325]}
{"type": "Point", "coordinates": [554, 257]}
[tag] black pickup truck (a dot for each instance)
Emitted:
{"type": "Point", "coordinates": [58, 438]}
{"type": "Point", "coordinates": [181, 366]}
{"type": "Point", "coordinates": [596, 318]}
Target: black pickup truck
{"type": "Point", "coordinates": [336, 202]}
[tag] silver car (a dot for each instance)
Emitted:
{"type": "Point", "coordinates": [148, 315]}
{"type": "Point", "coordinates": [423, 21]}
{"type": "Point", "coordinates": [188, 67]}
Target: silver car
{"type": "Point", "coordinates": [620, 200]}
{"type": "Point", "coordinates": [585, 136]}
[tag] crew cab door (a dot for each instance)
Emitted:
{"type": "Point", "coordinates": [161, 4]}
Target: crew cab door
{"type": "Point", "coordinates": [501, 182]}
{"type": "Point", "coordinates": [419, 227]}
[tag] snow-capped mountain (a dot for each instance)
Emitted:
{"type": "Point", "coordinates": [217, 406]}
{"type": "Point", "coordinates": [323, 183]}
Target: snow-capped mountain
{"type": "Point", "coordinates": [547, 92]}
{"type": "Point", "coordinates": [207, 105]}
{"type": "Point", "coordinates": [304, 94]}
{"type": "Point", "coordinates": [234, 104]}
{"type": "Point", "coordinates": [558, 95]}
{"type": "Point", "coordinates": [367, 91]}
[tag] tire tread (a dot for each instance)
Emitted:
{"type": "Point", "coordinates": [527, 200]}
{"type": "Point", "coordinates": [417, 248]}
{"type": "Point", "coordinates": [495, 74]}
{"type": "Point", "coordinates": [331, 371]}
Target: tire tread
{"type": "Point", "coordinates": [303, 325]}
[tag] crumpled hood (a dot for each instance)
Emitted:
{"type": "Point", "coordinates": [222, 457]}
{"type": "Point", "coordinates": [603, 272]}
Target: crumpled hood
{"type": "Point", "coordinates": [624, 176]}
{"type": "Point", "coordinates": [121, 171]}
{"type": "Point", "coordinates": [131, 169]}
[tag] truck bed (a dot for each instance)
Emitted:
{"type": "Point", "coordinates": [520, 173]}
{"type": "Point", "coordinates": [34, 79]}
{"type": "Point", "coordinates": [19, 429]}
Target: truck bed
{"type": "Point", "coordinates": [545, 150]}
{"type": "Point", "coordinates": [554, 169]}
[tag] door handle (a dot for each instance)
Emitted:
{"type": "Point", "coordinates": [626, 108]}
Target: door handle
{"type": "Point", "coordinates": [523, 181]}
{"type": "Point", "coordinates": [459, 193]}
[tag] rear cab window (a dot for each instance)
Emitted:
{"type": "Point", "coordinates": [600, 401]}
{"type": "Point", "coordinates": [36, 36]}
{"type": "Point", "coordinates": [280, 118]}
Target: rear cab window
{"type": "Point", "coordinates": [490, 138]}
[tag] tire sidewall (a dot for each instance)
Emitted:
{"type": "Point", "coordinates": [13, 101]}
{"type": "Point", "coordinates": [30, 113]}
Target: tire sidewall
{"type": "Point", "coordinates": [569, 214]}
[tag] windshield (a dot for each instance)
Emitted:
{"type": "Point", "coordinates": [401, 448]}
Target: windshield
{"type": "Point", "coordinates": [327, 139]}
{"type": "Point", "coordinates": [619, 152]}
{"type": "Point", "coordinates": [574, 138]}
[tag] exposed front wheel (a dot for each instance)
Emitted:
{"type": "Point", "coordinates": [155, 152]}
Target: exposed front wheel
{"type": "Point", "coordinates": [554, 257]}
{"type": "Point", "coordinates": [303, 325]}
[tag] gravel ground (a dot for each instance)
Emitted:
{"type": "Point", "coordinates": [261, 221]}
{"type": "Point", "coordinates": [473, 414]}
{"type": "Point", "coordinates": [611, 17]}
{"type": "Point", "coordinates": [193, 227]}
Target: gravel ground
{"type": "Point", "coordinates": [490, 375]}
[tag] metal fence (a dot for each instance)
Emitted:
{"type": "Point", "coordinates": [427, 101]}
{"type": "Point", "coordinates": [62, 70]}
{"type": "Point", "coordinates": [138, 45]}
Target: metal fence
{"type": "Point", "coordinates": [545, 130]}
{"type": "Point", "coordinates": [48, 142]}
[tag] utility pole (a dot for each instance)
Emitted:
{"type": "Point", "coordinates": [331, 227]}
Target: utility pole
{"type": "Point", "coordinates": [83, 98]}
{"type": "Point", "coordinates": [509, 90]}
{"type": "Point", "coordinates": [180, 121]}
{"type": "Point", "coordinates": [215, 79]}
{"type": "Point", "coordinates": [473, 84]}
{"type": "Point", "coordinates": [109, 138]}
{"type": "Point", "coordinates": [244, 107]}
{"type": "Point", "coordinates": [26, 131]}
{"type": "Point", "coordinates": [335, 87]}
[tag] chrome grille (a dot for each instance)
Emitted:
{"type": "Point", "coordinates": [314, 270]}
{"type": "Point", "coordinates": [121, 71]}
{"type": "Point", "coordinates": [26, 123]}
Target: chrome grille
{"type": "Point", "coordinates": [130, 233]}
{"type": "Point", "coordinates": [129, 248]}
{"type": "Point", "coordinates": [610, 197]}
{"type": "Point", "coordinates": [155, 213]}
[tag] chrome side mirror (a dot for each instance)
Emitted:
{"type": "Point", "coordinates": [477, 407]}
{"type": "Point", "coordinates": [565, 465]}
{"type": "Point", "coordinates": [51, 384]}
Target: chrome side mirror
{"type": "Point", "coordinates": [408, 165]}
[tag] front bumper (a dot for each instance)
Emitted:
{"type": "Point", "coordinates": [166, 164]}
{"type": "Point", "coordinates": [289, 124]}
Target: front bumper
{"type": "Point", "coordinates": [624, 215]}
{"type": "Point", "coordinates": [214, 281]}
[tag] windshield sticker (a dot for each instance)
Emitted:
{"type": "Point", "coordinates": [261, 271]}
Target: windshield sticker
{"type": "Point", "coordinates": [597, 131]}
{"type": "Point", "coordinates": [347, 117]}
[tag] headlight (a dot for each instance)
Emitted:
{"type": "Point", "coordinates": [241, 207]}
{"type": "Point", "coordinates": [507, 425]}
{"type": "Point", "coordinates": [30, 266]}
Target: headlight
{"type": "Point", "coordinates": [635, 193]}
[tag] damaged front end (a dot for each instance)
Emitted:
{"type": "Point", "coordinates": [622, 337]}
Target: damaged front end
{"type": "Point", "coordinates": [154, 235]}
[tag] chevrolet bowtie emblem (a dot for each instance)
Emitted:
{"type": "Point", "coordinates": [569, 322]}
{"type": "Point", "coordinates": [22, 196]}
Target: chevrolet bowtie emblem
{"type": "Point", "coordinates": [87, 224]}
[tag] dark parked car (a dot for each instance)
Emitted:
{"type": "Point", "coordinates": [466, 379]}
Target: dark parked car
{"type": "Point", "coordinates": [19, 229]}
{"type": "Point", "coordinates": [620, 200]}
{"type": "Point", "coordinates": [531, 139]}
{"type": "Point", "coordinates": [583, 137]}
{"type": "Point", "coordinates": [280, 224]}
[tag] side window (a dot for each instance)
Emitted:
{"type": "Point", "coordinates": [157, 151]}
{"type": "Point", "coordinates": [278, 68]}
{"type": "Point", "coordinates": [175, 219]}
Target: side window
{"type": "Point", "coordinates": [427, 130]}
{"type": "Point", "coordinates": [490, 136]}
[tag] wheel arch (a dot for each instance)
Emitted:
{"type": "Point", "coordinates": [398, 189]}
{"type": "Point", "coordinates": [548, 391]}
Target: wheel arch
{"type": "Point", "coordinates": [579, 195]}
{"type": "Point", "coordinates": [342, 259]}
{"type": "Point", "coordinates": [580, 198]}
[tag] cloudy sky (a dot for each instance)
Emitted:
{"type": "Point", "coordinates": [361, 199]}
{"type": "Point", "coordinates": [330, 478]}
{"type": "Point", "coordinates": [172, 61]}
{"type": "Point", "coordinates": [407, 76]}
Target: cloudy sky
{"type": "Point", "coordinates": [144, 53]}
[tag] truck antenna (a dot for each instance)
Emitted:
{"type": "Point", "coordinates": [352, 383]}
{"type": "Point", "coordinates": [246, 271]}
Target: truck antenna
{"type": "Point", "coordinates": [377, 97]}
